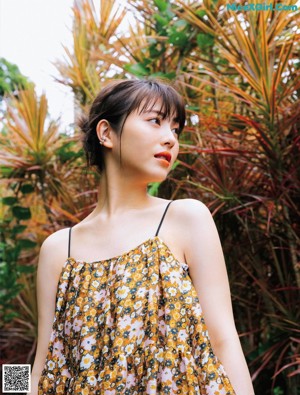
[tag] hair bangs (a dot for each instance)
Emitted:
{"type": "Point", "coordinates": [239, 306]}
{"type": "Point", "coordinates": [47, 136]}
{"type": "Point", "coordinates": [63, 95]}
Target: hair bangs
{"type": "Point", "coordinates": [171, 105]}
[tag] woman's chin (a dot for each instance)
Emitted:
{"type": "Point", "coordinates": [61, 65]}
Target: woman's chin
{"type": "Point", "coordinates": [159, 178]}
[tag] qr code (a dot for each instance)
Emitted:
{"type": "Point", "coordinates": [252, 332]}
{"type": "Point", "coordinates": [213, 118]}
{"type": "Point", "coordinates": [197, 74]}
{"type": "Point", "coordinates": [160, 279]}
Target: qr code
{"type": "Point", "coordinates": [16, 378]}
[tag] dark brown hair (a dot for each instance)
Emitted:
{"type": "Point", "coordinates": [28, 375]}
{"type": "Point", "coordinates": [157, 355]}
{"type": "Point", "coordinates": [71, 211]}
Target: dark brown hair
{"type": "Point", "coordinates": [116, 101]}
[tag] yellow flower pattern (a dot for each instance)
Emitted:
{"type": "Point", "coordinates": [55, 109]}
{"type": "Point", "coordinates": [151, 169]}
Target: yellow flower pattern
{"type": "Point", "coordinates": [130, 325]}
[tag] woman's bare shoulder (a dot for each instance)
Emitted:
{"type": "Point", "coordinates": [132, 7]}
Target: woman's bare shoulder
{"type": "Point", "coordinates": [56, 238]}
{"type": "Point", "coordinates": [190, 216]}
{"type": "Point", "coordinates": [190, 208]}
{"type": "Point", "coordinates": [55, 247]}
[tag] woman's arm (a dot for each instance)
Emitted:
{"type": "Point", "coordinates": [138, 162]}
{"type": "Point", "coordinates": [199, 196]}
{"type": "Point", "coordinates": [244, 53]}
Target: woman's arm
{"type": "Point", "coordinates": [49, 266]}
{"type": "Point", "coordinates": [204, 255]}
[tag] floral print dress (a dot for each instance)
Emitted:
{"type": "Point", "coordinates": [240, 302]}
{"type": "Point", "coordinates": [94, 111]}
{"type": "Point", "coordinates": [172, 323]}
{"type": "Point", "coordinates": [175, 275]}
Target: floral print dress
{"type": "Point", "coordinates": [130, 325]}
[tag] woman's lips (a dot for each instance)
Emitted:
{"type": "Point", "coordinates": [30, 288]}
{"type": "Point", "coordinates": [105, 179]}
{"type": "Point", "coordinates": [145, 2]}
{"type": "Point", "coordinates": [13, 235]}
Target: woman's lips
{"type": "Point", "coordinates": [163, 161]}
{"type": "Point", "coordinates": [165, 155]}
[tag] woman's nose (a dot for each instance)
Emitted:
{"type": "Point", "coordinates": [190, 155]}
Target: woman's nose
{"type": "Point", "coordinates": [169, 136]}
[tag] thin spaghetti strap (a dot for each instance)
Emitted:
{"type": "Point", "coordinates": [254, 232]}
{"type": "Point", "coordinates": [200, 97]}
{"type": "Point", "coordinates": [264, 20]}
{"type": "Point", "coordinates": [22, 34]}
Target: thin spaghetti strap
{"type": "Point", "coordinates": [69, 241]}
{"type": "Point", "coordinates": [161, 221]}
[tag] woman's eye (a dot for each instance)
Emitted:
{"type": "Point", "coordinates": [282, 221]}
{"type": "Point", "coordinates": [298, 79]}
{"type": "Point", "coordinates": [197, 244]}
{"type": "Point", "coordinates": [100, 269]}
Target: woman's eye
{"type": "Point", "coordinates": [155, 120]}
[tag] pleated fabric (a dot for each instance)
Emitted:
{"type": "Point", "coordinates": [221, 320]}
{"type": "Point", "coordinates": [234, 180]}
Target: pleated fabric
{"type": "Point", "coordinates": [130, 325]}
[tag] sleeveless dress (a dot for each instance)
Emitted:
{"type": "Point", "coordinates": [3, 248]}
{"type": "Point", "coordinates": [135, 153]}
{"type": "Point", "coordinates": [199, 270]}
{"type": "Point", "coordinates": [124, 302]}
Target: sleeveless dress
{"type": "Point", "coordinates": [129, 325]}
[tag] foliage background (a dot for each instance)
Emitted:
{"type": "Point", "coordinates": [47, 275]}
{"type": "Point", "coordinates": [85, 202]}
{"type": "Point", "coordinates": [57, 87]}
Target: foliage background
{"type": "Point", "coordinates": [239, 154]}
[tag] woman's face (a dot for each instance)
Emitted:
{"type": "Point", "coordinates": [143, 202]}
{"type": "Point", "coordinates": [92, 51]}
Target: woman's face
{"type": "Point", "coordinates": [144, 136]}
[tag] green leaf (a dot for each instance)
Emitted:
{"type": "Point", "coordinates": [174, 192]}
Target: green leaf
{"type": "Point", "coordinates": [200, 13]}
{"type": "Point", "coordinates": [12, 293]}
{"type": "Point", "coordinates": [146, 62]}
{"type": "Point", "coordinates": [9, 200]}
{"type": "Point", "coordinates": [25, 268]}
{"type": "Point", "coordinates": [223, 61]}
{"type": "Point", "coordinates": [181, 23]}
{"type": "Point", "coordinates": [175, 164]}
{"type": "Point", "coordinates": [278, 391]}
{"type": "Point", "coordinates": [169, 76]}
{"type": "Point", "coordinates": [21, 212]}
{"type": "Point", "coordinates": [137, 69]}
{"type": "Point", "coordinates": [67, 151]}
{"type": "Point", "coordinates": [9, 317]}
{"type": "Point", "coordinates": [158, 74]}
{"type": "Point", "coordinates": [161, 20]}
{"type": "Point", "coordinates": [26, 243]}
{"type": "Point", "coordinates": [205, 40]}
{"type": "Point", "coordinates": [153, 188]}
{"type": "Point", "coordinates": [193, 108]}
{"type": "Point", "coordinates": [179, 39]}
{"type": "Point", "coordinates": [3, 266]}
{"type": "Point", "coordinates": [18, 229]}
{"type": "Point", "coordinates": [161, 5]}
{"type": "Point", "coordinates": [10, 77]}
{"type": "Point", "coordinates": [170, 14]}
{"type": "Point", "coordinates": [5, 171]}
{"type": "Point", "coordinates": [154, 53]}
{"type": "Point", "coordinates": [27, 188]}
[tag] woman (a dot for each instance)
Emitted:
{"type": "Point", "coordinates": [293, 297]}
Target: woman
{"type": "Point", "coordinates": [131, 322]}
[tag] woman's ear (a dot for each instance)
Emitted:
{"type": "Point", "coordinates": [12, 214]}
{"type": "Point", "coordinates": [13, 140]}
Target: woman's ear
{"type": "Point", "coordinates": [104, 131]}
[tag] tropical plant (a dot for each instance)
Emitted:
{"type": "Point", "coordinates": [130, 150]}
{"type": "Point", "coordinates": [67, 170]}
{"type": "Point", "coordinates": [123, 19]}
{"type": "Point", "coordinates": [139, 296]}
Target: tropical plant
{"type": "Point", "coordinates": [35, 166]}
{"type": "Point", "coordinates": [81, 69]}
